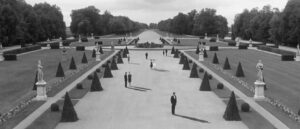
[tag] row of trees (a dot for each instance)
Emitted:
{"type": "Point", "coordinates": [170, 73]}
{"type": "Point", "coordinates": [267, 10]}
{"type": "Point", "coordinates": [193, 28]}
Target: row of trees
{"type": "Point", "coordinates": [196, 23]}
{"type": "Point", "coordinates": [89, 20]}
{"type": "Point", "coordinates": [23, 23]}
{"type": "Point", "coordinates": [269, 24]}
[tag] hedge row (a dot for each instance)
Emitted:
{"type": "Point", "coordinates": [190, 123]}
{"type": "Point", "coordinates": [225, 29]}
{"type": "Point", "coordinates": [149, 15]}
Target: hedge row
{"type": "Point", "coordinates": [23, 50]}
{"type": "Point", "coordinates": [149, 45]}
{"type": "Point", "coordinates": [243, 46]}
{"type": "Point", "coordinates": [68, 42]}
{"type": "Point", "coordinates": [285, 55]}
{"type": "Point", "coordinates": [80, 48]}
{"type": "Point", "coordinates": [213, 48]}
{"type": "Point", "coordinates": [54, 45]}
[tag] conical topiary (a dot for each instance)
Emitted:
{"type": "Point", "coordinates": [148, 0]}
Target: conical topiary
{"type": "Point", "coordinates": [232, 111]}
{"type": "Point", "coordinates": [35, 81]}
{"type": "Point", "coordinates": [73, 64]}
{"type": "Point", "coordinates": [239, 71]}
{"type": "Point", "coordinates": [114, 64]}
{"type": "Point", "coordinates": [173, 50]}
{"type": "Point", "coordinates": [205, 54]}
{"type": "Point", "coordinates": [126, 50]}
{"type": "Point", "coordinates": [226, 64]}
{"type": "Point", "coordinates": [205, 86]}
{"type": "Point", "coordinates": [96, 85]}
{"type": "Point", "coordinates": [124, 54]}
{"type": "Point", "coordinates": [84, 59]}
{"type": "Point", "coordinates": [186, 65]}
{"type": "Point", "coordinates": [215, 59]}
{"type": "Point", "coordinates": [101, 50]}
{"type": "Point", "coordinates": [176, 54]}
{"type": "Point", "coordinates": [197, 50]}
{"type": "Point", "coordinates": [68, 113]}
{"type": "Point", "coordinates": [94, 53]}
{"type": "Point", "coordinates": [60, 71]}
{"type": "Point", "coordinates": [194, 72]}
{"type": "Point", "coordinates": [120, 60]}
{"type": "Point", "coordinates": [182, 58]}
{"type": "Point", "coordinates": [107, 72]}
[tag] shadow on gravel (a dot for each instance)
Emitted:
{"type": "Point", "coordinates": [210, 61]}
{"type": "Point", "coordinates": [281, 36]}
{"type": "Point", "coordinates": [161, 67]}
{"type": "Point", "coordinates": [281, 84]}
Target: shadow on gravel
{"type": "Point", "coordinates": [138, 88]}
{"type": "Point", "coordinates": [160, 70]}
{"type": "Point", "coordinates": [192, 118]}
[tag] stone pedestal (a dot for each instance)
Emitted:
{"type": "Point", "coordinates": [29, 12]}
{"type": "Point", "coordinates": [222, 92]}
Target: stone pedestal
{"type": "Point", "coordinates": [201, 56]}
{"type": "Point", "coordinates": [297, 58]}
{"type": "Point", "coordinates": [98, 56]}
{"type": "Point", "coordinates": [259, 90]}
{"type": "Point", "coordinates": [238, 43]}
{"type": "Point", "coordinates": [41, 91]}
{"type": "Point", "coordinates": [250, 45]}
{"type": "Point", "coordinates": [1, 56]}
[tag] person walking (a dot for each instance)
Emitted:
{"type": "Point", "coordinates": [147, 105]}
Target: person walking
{"type": "Point", "coordinates": [173, 102]}
{"type": "Point", "coordinates": [146, 55]}
{"type": "Point", "coordinates": [151, 64]}
{"type": "Point", "coordinates": [128, 57]}
{"type": "Point", "coordinates": [129, 78]}
{"type": "Point", "coordinates": [166, 52]}
{"type": "Point", "coordinates": [125, 79]}
{"type": "Point", "coordinates": [163, 52]}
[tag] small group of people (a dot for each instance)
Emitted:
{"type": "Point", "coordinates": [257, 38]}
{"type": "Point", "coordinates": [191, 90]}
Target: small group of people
{"type": "Point", "coordinates": [165, 52]}
{"type": "Point", "coordinates": [127, 78]}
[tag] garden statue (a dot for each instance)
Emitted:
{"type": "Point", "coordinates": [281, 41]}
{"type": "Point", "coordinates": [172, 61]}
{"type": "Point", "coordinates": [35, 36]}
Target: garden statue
{"type": "Point", "coordinates": [112, 45]}
{"type": "Point", "coordinates": [218, 38]}
{"type": "Point", "coordinates": [259, 67]}
{"type": "Point", "coordinates": [40, 76]}
{"type": "Point", "coordinates": [250, 42]}
{"type": "Point", "coordinates": [205, 36]}
{"type": "Point", "coordinates": [298, 51]}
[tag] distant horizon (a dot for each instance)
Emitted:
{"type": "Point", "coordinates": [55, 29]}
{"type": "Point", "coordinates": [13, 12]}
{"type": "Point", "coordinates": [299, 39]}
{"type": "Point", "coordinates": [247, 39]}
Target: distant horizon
{"type": "Point", "coordinates": [153, 11]}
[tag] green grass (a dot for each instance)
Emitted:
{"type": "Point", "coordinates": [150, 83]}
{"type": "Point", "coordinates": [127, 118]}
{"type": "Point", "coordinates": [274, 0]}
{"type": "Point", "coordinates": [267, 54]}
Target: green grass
{"type": "Point", "coordinates": [49, 120]}
{"type": "Point", "coordinates": [17, 77]}
{"type": "Point", "coordinates": [282, 77]}
{"type": "Point", "coordinates": [251, 119]}
{"type": "Point", "coordinates": [194, 42]}
{"type": "Point", "coordinates": [11, 123]}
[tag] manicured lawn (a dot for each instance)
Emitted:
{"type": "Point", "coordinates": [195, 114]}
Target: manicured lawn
{"type": "Point", "coordinates": [252, 119]}
{"type": "Point", "coordinates": [49, 120]}
{"type": "Point", "coordinates": [282, 77]}
{"type": "Point", "coordinates": [194, 42]}
{"type": "Point", "coordinates": [106, 42]}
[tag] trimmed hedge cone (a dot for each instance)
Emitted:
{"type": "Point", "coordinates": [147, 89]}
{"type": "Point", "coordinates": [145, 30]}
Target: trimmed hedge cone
{"type": "Point", "coordinates": [173, 50]}
{"type": "Point", "coordinates": [186, 65]}
{"type": "Point", "coordinates": [96, 85]}
{"type": "Point", "coordinates": [101, 50]}
{"type": "Point", "coordinates": [35, 81]}
{"type": "Point", "coordinates": [84, 59]}
{"type": "Point", "coordinates": [124, 54]}
{"type": "Point", "coordinates": [73, 64]}
{"type": "Point", "coordinates": [120, 60]}
{"type": "Point", "coordinates": [94, 53]}
{"type": "Point", "coordinates": [194, 72]}
{"type": "Point", "coordinates": [239, 71]}
{"type": "Point", "coordinates": [215, 59]}
{"type": "Point", "coordinates": [60, 71]}
{"type": "Point", "coordinates": [114, 64]}
{"type": "Point", "coordinates": [68, 113]}
{"type": "Point", "coordinates": [181, 61]}
{"type": "Point", "coordinates": [126, 50]}
{"type": "Point", "coordinates": [205, 86]}
{"type": "Point", "coordinates": [226, 64]}
{"type": "Point", "coordinates": [205, 54]}
{"type": "Point", "coordinates": [107, 72]}
{"type": "Point", "coordinates": [197, 50]}
{"type": "Point", "coordinates": [176, 54]}
{"type": "Point", "coordinates": [232, 111]}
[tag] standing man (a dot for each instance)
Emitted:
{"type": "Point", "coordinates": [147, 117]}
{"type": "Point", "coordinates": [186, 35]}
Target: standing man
{"type": "Point", "coordinates": [146, 55]}
{"type": "Point", "coordinates": [151, 64]}
{"type": "Point", "coordinates": [166, 52]}
{"type": "Point", "coordinates": [125, 79]}
{"type": "Point", "coordinates": [163, 52]}
{"type": "Point", "coordinates": [173, 102]}
{"type": "Point", "coordinates": [128, 57]}
{"type": "Point", "coordinates": [129, 78]}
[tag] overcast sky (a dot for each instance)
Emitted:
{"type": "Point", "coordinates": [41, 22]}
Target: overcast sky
{"type": "Point", "coordinates": [148, 11]}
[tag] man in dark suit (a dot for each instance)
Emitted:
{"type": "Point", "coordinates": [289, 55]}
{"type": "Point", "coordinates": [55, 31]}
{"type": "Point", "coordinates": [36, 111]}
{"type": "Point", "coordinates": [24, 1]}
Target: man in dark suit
{"type": "Point", "coordinates": [125, 79]}
{"type": "Point", "coordinates": [129, 78]}
{"type": "Point", "coordinates": [146, 55]}
{"type": "Point", "coordinates": [173, 102]}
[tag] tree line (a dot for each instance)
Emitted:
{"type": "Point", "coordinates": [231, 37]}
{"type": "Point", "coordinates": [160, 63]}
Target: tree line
{"type": "Point", "coordinates": [23, 23]}
{"type": "Point", "coordinates": [196, 23]}
{"type": "Point", "coordinates": [89, 20]}
{"type": "Point", "coordinates": [270, 24]}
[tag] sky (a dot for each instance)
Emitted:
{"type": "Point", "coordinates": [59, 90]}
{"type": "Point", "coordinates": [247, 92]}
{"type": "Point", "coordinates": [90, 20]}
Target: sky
{"type": "Point", "coordinates": [153, 11]}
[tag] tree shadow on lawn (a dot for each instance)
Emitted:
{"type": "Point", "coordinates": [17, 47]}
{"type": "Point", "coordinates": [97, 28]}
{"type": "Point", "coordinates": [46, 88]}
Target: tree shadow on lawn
{"type": "Point", "coordinates": [192, 118]}
{"type": "Point", "coordinates": [138, 88]}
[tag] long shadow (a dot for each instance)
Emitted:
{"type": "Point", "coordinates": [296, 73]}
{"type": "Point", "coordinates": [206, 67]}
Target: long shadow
{"type": "Point", "coordinates": [134, 63]}
{"type": "Point", "coordinates": [138, 88]}
{"type": "Point", "coordinates": [160, 70]}
{"type": "Point", "coordinates": [192, 118]}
